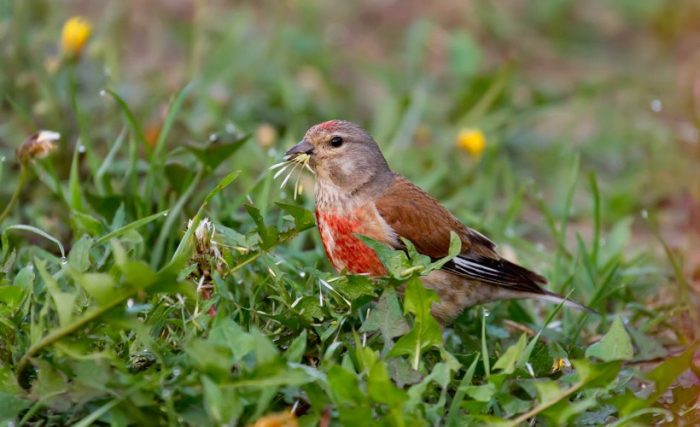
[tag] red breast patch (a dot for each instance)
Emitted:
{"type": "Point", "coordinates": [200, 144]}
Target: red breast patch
{"type": "Point", "coordinates": [343, 248]}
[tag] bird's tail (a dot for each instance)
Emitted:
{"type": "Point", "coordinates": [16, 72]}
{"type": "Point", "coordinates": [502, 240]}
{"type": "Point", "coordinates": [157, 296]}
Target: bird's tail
{"type": "Point", "coordinates": [555, 298]}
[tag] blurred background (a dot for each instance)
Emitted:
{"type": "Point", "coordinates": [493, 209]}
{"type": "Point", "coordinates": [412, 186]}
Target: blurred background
{"type": "Point", "coordinates": [567, 131]}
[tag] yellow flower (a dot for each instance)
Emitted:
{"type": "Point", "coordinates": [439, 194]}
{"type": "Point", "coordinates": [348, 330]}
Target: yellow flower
{"type": "Point", "coordinates": [559, 364]}
{"type": "Point", "coordinates": [279, 419]}
{"type": "Point", "coordinates": [75, 34]}
{"type": "Point", "coordinates": [472, 141]}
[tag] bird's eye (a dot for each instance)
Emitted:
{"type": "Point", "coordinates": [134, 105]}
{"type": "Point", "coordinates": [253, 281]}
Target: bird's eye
{"type": "Point", "coordinates": [336, 141]}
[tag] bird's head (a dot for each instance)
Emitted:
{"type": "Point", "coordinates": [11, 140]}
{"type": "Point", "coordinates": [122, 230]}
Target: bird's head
{"type": "Point", "coordinates": [341, 153]}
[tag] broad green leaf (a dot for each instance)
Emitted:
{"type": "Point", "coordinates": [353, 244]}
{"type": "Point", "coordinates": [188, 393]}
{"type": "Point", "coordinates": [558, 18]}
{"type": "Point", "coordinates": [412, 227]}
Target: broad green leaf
{"type": "Point", "coordinates": [355, 287]}
{"type": "Point", "coordinates": [345, 392]}
{"type": "Point", "coordinates": [615, 344]}
{"type": "Point", "coordinates": [276, 373]}
{"type": "Point", "coordinates": [561, 412]}
{"type": "Point", "coordinates": [480, 393]}
{"type": "Point", "coordinates": [296, 349]}
{"type": "Point", "coordinates": [79, 256]}
{"type": "Point", "coordinates": [380, 387]}
{"type": "Point", "coordinates": [214, 400]}
{"type": "Point", "coordinates": [303, 218]}
{"type": "Point", "coordinates": [426, 331]}
{"type": "Point", "coordinates": [215, 153]}
{"type": "Point", "coordinates": [507, 361]}
{"type": "Point", "coordinates": [11, 296]}
{"type": "Point", "coordinates": [139, 274]}
{"type": "Point", "coordinates": [454, 250]}
{"type": "Point", "coordinates": [25, 278]}
{"type": "Point", "coordinates": [419, 300]}
{"type": "Point", "coordinates": [365, 357]}
{"type": "Point", "coordinates": [23, 283]}
{"type": "Point", "coordinates": [100, 286]}
{"type": "Point", "coordinates": [309, 308]}
{"type": "Point", "coordinates": [418, 261]}
{"type": "Point", "coordinates": [440, 374]}
{"type": "Point", "coordinates": [11, 405]}
{"type": "Point", "coordinates": [86, 223]}
{"type": "Point", "coordinates": [596, 375]}
{"type": "Point", "coordinates": [214, 359]}
{"type": "Point", "coordinates": [227, 333]}
{"type": "Point", "coordinates": [395, 262]}
{"type": "Point", "coordinates": [265, 351]}
{"type": "Point", "coordinates": [179, 176]}
{"type": "Point", "coordinates": [547, 391]}
{"type": "Point", "coordinates": [465, 55]}
{"type": "Point", "coordinates": [268, 234]}
{"type": "Point", "coordinates": [65, 301]}
{"type": "Point", "coordinates": [119, 253]}
{"type": "Point", "coordinates": [386, 317]}
{"type": "Point", "coordinates": [402, 373]}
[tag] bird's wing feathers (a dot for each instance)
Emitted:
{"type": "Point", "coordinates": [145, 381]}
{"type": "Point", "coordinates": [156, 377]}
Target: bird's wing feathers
{"type": "Point", "coordinates": [416, 216]}
{"type": "Point", "coordinates": [499, 272]}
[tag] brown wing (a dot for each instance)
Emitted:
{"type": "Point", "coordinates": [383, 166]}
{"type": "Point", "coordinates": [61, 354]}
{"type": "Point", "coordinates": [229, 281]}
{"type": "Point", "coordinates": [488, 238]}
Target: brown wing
{"type": "Point", "coordinates": [415, 215]}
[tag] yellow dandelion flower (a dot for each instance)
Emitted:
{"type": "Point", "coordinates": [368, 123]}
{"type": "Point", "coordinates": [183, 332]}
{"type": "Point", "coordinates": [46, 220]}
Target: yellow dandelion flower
{"type": "Point", "coordinates": [472, 141]}
{"type": "Point", "coordinates": [279, 419]}
{"type": "Point", "coordinates": [74, 37]}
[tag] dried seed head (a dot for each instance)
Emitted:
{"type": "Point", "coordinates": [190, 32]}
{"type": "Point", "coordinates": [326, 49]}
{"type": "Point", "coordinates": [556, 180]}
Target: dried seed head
{"type": "Point", "coordinates": [297, 163]}
{"type": "Point", "coordinates": [204, 237]}
{"type": "Point", "coordinates": [38, 146]}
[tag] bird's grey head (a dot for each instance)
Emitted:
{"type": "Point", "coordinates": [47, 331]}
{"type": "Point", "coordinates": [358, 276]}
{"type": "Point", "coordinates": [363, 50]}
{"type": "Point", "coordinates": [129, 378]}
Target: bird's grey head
{"type": "Point", "coordinates": [343, 154]}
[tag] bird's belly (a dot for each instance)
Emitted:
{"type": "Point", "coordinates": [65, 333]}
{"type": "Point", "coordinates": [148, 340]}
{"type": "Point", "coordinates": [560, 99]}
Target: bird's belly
{"type": "Point", "coordinates": [457, 293]}
{"type": "Point", "coordinates": [343, 248]}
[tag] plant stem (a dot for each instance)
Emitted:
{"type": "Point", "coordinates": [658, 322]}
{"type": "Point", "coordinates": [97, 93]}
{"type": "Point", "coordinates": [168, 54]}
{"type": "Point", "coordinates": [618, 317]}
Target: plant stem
{"type": "Point", "coordinates": [542, 406]}
{"type": "Point", "coordinates": [23, 174]}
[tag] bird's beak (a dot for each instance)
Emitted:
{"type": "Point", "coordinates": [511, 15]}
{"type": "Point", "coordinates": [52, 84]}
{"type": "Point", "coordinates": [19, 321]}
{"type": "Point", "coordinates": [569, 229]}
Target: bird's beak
{"type": "Point", "coordinates": [303, 147]}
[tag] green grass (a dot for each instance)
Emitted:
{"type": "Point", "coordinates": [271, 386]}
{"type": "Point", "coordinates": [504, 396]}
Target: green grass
{"type": "Point", "coordinates": [113, 311]}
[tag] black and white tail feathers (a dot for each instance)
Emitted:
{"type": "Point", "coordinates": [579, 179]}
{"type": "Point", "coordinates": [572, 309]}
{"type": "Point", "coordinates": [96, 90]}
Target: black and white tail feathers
{"type": "Point", "coordinates": [509, 276]}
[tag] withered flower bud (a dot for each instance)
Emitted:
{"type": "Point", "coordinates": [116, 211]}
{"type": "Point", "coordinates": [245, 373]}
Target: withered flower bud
{"type": "Point", "coordinates": [38, 146]}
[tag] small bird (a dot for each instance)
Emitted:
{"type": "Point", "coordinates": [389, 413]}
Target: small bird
{"type": "Point", "coordinates": [358, 194]}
